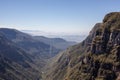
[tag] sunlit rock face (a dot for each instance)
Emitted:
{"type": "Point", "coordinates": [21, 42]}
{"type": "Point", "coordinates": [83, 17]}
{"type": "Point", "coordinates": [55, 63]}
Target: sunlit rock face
{"type": "Point", "coordinates": [96, 58]}
{"type": "Point", "coordinates": [107, 35]}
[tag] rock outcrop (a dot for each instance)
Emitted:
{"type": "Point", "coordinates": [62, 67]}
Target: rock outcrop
{"type": "Point", "coordinates": [96, 58]}
{"type": "Point", "coordinates": [107, 35]}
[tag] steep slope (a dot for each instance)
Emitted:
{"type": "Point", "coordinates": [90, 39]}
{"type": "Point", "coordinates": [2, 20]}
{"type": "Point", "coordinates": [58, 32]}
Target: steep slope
{"type": "Point", "coordinates": [96, 58]}
{"type": "Point", "coordinates": [58, 43]}
{"type": "Point", "coordinates": [29, 44]}
{"type": "Point", "coordinates": [11, 51]}
{"type": "Point", "coordinates": [15, 63]}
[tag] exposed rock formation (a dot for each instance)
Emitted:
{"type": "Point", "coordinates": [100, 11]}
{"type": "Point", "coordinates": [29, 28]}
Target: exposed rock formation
{"type": "Point", "coordinates": [96, 58]}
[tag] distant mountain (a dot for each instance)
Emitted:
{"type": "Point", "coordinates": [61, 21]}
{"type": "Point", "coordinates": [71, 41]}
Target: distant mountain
{"type": "Point", "coordinates": [71, 38]}
{"type": "Point", "coordinates": [29, 44]}
{"type": "Point", "coordinates": [15, 63]}
{"type": "Point", "coordinates": [11, 51]}
{"type": "Point", "coordinates": [58, 43]}
{"type": "Point", "coordinates": [96, 58]}
{"type": "Point", "coordinates": [22, 54]}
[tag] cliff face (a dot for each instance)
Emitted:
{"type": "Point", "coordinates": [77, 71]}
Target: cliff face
{"type": "Point", "coordinates": [96, 58]}
{"type": "Point", "coordinates": [108, 35]}
{"type": "Point", "coordinates": [103, 59]}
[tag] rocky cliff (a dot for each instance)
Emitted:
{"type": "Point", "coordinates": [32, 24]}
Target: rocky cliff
{"type": "Point", "coordinates": [96, 58]}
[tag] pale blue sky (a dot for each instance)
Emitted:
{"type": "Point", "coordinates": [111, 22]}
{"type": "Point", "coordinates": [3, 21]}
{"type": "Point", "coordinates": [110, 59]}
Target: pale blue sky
{"type": "Point", "coordinates": [57, 16]}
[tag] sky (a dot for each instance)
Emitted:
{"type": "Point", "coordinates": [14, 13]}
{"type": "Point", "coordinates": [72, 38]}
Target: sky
{"type": "Point", "coordinates": [55, 16]}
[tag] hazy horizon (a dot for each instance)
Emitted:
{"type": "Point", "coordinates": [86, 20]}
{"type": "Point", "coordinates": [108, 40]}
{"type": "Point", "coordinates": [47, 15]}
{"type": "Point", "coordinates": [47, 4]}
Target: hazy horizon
{"type": "Point", "coordinates": [55, 16]}
{"type": "Point", "coordinates": [69, 37]}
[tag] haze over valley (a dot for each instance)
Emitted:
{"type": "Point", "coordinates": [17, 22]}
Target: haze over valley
{"type": "Point", "coordinates": [69, 37]}
{"type": "Point", "coordinates": [59, 40]}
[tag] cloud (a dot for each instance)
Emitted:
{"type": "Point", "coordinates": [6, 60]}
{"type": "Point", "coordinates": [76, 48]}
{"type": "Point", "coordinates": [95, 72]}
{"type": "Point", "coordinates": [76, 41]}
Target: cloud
{"type": "Point", "coordinates": [48, 31]}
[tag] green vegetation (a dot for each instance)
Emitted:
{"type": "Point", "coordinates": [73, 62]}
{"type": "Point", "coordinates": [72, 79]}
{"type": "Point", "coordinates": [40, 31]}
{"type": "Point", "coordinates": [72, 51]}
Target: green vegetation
{"type": "Point", "coordinates": [96, 58]}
